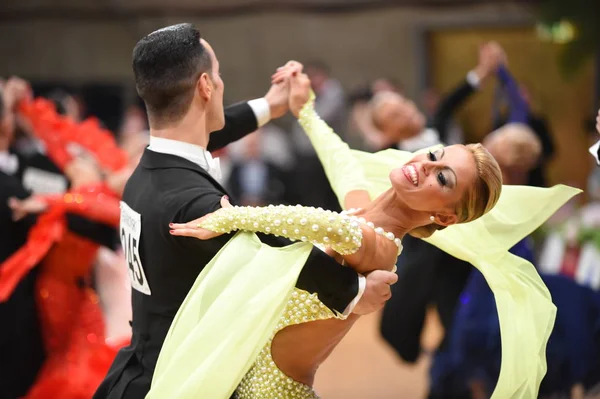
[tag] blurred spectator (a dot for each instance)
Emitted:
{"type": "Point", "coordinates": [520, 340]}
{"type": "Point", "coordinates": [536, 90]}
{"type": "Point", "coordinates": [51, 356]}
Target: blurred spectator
{"type": "Point", "coordinates": [66, 104]}
{"type": "Point", "coordinates": [134, 121]}
{"type": "Point", "coordinates": [517, 150]}
{"type": "Point", "coordinates": [386, 84]}
{"type": "Point", "coordinates": [394, 121]}
{"type": "Point", "coordinates": [20, 336]}
{"type": "Point", "coordinates": [431, 103]}
{"type": "Point", "coordinates": [37, 171]}
{"type": "Point", "coordinates": [275, 147]}
{"type": "Point", "coordinates": [359, 102]}
{"type": "Point", "coordinates": [254, 179]}
{"type": "Point", "coordinates": [539, 125]}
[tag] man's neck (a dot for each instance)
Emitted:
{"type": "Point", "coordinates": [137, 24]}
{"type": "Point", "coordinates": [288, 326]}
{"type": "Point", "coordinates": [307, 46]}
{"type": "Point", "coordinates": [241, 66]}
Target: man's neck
{"type": "Point", "coordinates": [190, 130]}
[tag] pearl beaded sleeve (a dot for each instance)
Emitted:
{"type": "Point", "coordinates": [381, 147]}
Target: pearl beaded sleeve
{"type": "Point", "coordinates": [344, 172]}
{"type": "Point", "coordinates": [320, 227]}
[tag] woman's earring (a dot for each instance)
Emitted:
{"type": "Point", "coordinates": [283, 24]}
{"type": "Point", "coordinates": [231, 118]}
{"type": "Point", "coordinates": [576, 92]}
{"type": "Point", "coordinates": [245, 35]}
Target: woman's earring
{"type": "Point", "coordinates": [432, 218]}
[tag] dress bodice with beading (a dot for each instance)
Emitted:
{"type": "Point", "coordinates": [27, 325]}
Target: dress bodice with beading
{"type": "Point", "coordinates": [265, 380]}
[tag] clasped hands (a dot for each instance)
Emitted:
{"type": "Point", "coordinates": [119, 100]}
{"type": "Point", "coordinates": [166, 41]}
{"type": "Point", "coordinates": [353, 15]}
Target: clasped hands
{"type": "Point", "coordinates": [290, 90]}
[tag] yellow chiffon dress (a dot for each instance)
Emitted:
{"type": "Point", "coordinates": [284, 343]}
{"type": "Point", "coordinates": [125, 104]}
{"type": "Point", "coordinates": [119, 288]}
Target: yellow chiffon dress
{"type": "Point", "coordinates": [221, 335]}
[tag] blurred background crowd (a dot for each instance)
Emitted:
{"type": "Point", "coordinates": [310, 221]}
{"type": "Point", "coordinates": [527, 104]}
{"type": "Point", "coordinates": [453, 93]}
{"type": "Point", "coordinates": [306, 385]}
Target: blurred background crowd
{"type": "Point", "coordinates": [522, 77]}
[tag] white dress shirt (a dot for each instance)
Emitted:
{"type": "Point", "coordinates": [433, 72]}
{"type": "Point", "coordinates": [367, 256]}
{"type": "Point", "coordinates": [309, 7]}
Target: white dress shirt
{"type": "Point", "coordinates": [194, 153]}
{"type": "Point", "coordinates": [201, 157]}
{"type": "Point", "coordinates": [9, 163]}
{"type": "Point", "coordinates": [594, 151]}
{"type": "Point", "coordinates": [427, 138]}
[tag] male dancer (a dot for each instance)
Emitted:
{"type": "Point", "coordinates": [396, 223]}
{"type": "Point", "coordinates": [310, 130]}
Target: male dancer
{"type": "Point", "coordinates": [177, 76]}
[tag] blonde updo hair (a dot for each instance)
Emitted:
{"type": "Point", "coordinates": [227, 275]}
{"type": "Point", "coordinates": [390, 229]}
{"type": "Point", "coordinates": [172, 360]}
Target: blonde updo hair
{"type": "Point", "coordinates": [480, 197]}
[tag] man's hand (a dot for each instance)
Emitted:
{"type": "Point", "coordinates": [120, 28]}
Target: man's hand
{"type": "Point", "coordinates": [598, 122]}
{"type": "Point", "coordinates": [491, 56]}
{"type": "Point", "coordinates": [22, 208]}
{"type": "Point", "coordinates": [377, 292]}
{"type": "Point", "coordinates": [279, 93]}
{"type": "Point", "coordinates": [277, 97]}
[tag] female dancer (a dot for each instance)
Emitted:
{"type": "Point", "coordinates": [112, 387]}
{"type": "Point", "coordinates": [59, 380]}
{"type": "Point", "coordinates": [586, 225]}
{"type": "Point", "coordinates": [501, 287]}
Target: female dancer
{"type": "Point", "coordinates": [452, 185]}
{"type": "Point", "coordinates": [72, 323]}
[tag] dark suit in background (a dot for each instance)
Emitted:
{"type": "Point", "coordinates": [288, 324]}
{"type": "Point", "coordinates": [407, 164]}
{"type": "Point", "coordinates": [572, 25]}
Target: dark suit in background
{"type": "Point", "coordinates": [427, 275]}
{"type": "Point", "coordinates": [165, 188]}
{"type": "Point", "coordinates": [270, 185]}
{"type": "Point", "coordinates": [21, 347]}
{"type": "Point", "coordinates": [440, 121]}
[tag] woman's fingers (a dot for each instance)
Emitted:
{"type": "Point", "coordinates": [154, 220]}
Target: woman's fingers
{"type": "Point", "coordinates": [201, 234]}
{"type": "Point", "coordinates": [284, 73]}
{"type": "Point", "coordinates": [186, 232]}
{"type": "Point", "coordinates": [193, 229]}
{"type": "Point", "coordinates": [225, 202]}
{"type": "Point", "coordinates": [179, 226]}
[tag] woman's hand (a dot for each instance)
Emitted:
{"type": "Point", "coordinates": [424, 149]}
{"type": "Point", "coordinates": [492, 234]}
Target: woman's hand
{"type": "Point", "coordinates": [285, 72]}
{"type": "Point", "coordinates": [299, 92]}
{"type": "Point", "coordinates": [192, 229]}
{"type": "Point", "coordinates": [22, 208]}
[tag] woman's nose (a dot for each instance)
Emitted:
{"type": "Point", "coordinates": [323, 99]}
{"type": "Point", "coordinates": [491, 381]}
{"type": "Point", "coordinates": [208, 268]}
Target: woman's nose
{"type": "Point", "coordinates": [426, 167]}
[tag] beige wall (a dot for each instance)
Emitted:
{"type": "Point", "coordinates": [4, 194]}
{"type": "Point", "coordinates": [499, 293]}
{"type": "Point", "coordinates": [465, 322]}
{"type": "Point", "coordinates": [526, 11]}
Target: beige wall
{"type": "Point", "coordinates": [358, 46]}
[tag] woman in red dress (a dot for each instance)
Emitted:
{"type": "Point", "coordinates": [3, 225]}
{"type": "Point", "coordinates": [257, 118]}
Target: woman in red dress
{"type": "Point", "coordinates": [72, 321]}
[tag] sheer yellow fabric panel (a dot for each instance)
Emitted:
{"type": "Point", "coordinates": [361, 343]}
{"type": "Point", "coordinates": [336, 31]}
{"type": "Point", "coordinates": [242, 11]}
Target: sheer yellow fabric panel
{"type": "Point", "coordinates": [227, 318]}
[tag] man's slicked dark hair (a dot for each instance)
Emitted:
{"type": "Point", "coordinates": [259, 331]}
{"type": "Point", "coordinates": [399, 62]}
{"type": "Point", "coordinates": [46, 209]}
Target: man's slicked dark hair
{"type": "Point", "coordinates": [167, 64]}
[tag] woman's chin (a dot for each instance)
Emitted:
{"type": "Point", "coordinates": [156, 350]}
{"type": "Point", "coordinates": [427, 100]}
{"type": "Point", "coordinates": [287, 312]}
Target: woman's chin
{"type": "Point", "coordinates": [399, 183]}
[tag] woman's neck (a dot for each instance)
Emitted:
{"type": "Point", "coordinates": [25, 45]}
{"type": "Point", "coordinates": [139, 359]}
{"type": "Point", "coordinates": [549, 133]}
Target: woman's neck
{"type": "Point", "coordinates": [386, 213]}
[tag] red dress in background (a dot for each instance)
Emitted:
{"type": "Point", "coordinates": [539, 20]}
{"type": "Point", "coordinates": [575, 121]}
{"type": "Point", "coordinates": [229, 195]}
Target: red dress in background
{"type": "Point", "coordinates": [77, 357]}
{"type": "Point", "coordinates": [70, 315]}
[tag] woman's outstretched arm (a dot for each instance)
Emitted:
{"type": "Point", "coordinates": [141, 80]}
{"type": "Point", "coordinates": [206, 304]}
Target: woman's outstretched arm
{"type": "Point", "coordinates": [346, 175]}
{"type": "Point", "coordinates": [349, 236]}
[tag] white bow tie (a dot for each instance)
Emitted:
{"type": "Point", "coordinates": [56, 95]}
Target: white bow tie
{"type": "Point", "coordinates": [9, 163]}
{"type": "Point", "coordinates": [214, 166]}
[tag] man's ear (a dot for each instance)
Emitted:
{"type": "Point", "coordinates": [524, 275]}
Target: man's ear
{"type": "Point", "coordinates": [205, 87]}
{"type": "Point", "coordinates": [446, 219]}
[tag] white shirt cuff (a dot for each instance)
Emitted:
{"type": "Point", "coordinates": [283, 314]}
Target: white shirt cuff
{"type": "Point", "coordinates": [594, 151]}
{"type": "Point", "coordinates": [261, 110]}
{"type": "Point", "coordinates": [362, 283]}
{"type": "Point", "coordinates": [473, 79]}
